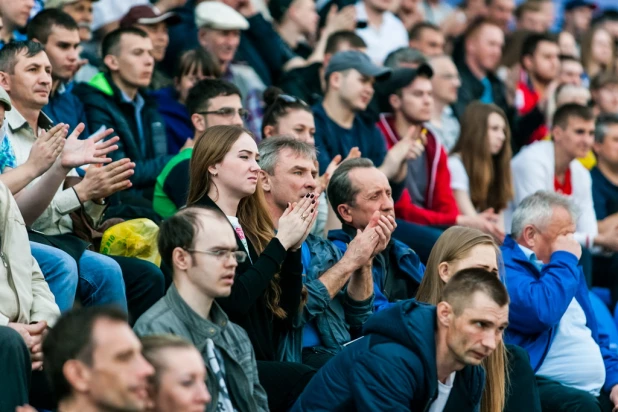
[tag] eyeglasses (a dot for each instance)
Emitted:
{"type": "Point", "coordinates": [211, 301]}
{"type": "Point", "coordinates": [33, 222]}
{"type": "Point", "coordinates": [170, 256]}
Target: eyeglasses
{"type": "Point", "coordinates": [229, 112]}
{"type": "Point", "coordinates": [291, 99]}
{"type": "Point", "coordinates": [237, 255]}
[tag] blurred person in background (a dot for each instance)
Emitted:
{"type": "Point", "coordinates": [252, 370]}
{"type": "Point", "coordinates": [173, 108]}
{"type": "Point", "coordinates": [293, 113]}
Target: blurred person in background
{"type": "Point", "coordinates": [80, 10]}
{"type": "Point", "coordinates": [15, 15]}
{"type": "Point", "coordinates": [427, 38]}
{"type": "Point", "coordinates": [577, 17]}
{"type": "Point", "coordinates": [598, 51]}
{"type": "Point", "coordinates": [568, 45]}
{"type": "Point", "coordinates": [571, 70]}
{"type": "Point", "coordinates": [446, 83]}
{"type": "Point", "coordinates": [194, 66]}
{"type": "Point", "coordinates": [529, 16]}
{"type": "Point", "coordinates": [501, 13]}
{"type": "Point", "coordinates": [604, 89]}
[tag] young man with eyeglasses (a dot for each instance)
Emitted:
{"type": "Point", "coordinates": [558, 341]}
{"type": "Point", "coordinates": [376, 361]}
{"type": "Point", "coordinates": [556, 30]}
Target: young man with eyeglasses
{"type": "Point", "coordinates": [198, 243]}
{"type": "Point", "coordinates": [116, 98]}
{"type": "Point", "coordinates": [211, 102]}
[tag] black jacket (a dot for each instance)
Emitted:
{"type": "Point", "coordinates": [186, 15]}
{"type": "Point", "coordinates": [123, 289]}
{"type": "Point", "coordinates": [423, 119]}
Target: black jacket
{"type": "Point", "coordinates": [472, 89]}
{"type": "Point", "coordinates": [105, 107]}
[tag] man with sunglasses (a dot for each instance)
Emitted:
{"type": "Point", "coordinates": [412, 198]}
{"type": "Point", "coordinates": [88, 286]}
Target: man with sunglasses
{"type": "Point", "coordinates": [211, 102]}
{"type": "Point", "coordinates": [199, 245]}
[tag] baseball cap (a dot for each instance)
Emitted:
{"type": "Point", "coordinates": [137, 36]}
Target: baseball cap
{"type": "Point", "coordinates": [218, 16]}
{"type": "Point", "coordinates": [52, 4]}
{"type": "Point", "coordinates": [145, 14]}
{"type": "Point", "coordinates": [5, 99]}
{"type": "Point", "coordinates": [574, 4]}
{"type": "Point", "coordinates": [359, 61]}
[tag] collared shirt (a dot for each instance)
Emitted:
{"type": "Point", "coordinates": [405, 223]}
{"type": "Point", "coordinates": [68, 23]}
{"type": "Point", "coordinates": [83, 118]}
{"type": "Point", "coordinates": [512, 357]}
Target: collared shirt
{"type": "Point", "coordinates": [55, 219]}
{"type": "Point", "coordinates": [449, 129]}
{"type": "Point", "coordinates": [138, 105]}
{"type": "Point", "coordinates": [390, 36]}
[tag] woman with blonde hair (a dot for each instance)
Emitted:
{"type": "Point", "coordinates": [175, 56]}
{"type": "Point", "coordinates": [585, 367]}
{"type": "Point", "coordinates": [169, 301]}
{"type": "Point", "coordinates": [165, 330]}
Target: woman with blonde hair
{"type": "Point", "coordinates": [267, 290]}
{"type": "Point", "coordinates": [509, 384]}
{"type": "Point", "coordinates": [598, 51]}
{"type": "Point", "coordinates": [179, 381]}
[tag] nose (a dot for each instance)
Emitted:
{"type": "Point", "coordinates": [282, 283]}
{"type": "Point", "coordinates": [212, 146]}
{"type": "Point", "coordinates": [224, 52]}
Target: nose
{"type": "Point", "coordinates": [146, 368]}
{"type": "Point", "coordinates": [202, 394]}
{"type": "Point", "coordinates": [238, 121]}
{"type": "Point", "coordinates": [388, 205]}
{"type": "Point", "coordinates": [490, 341]}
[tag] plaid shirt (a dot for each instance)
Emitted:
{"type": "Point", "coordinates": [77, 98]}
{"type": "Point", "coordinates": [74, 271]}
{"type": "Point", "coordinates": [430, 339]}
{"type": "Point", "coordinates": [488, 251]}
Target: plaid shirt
{"type": "Point", "coordinates": [171, 314]}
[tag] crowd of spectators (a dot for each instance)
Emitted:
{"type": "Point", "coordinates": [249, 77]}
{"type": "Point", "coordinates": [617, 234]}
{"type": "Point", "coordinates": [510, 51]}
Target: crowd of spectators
{"type": "Point", "coordinates": [371, 205]}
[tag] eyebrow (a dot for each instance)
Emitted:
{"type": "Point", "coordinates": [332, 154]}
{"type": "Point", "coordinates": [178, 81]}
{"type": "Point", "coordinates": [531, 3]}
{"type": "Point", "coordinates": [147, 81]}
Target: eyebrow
{"type": "Point", "coordinates": [247, 151]}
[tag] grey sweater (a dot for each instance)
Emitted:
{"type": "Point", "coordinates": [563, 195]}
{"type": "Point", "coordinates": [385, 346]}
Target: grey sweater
{"type": "Point", "coordinates": [171, 315]}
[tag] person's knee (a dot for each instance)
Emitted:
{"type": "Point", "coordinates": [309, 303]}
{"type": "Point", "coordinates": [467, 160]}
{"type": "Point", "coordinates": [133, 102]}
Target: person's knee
{"type": "Point", "coordinates": [56, 263]}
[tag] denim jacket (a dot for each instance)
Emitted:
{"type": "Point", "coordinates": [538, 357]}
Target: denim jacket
{"type": "Point", "coordinates": [333, 318]}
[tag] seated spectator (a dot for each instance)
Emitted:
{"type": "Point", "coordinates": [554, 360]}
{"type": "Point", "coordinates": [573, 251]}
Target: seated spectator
{"type": "Point", "coordinates": [435, 11]}
{"type": "Point", "coordinates": [568, 44]}
{"type": "Point", "coordinates": [115, 98]}
{"type": "Point", "coordinates": [598, 52]}
{"type": "Point", "coordinates": [27, 307]}
{"type": "Point", "coordinates": [93, 361]}
{"type": "Point", "coordinates": [604, 89]}
{"type": "Point", "coordinates": [224, 175]}
{"type": "Point", "coordinates": [427, 198]}
{"type": "Point", "coordinates": [550, 313]}
{"type": "Point", "coordinates": [483, 43]}
{"type": "Point", "coordinates": [80, 11]}
{"type": "Point", "coordinates": [480, 167]}
{"type": "Point", "coordinates": [405, 57]}
{"type": "Point", "coordinates": [349, 76]}
{"type": "Point", "coordinates": [357, 190]}
{"type": "Point", "coordinates": [568, 93]}
{"type": "Point", "coordinates": [571, 70]}
{"type": "Point", "coordinates": [383, 31]}
{"type": "Point", "coordinates": [15, 15]}
{"type": "Point", "coordinates": [199, 244]}
{"type": "Point", "coordinates": [509, 380]}
{"type": "Point", "coordinates": [210, 102]}
{"type": "Point", "coordinates": [59, 33]}
{"type": "Point", "coordinates": [287, 115]}
{"type": "Point", "coordinates": [46, 204]}
{"type": "Point", "coordinates": [340, 289]}
{"type": "Point", "coordinates": [428, 39]}
{"type": "Point", "coordinates": [529, 16]}
{"type": "Point", "coordinates": [219, 33]}
{"type": "Point", "coordinates": [179, 380]}
{"type": "Point", "coordinates": [500, 12]}
{"type": "Point", "coordinates": [155, 24]}
{"type": "Point", "coordinates": [297, 23]}
{"type": "Point", "coordinates": [551, 165]}
{"type": "Point", "coordinates": [540, 67]}
{"type": "Point", "coordinates": [445, 84]}
{"type": "Point", "coordinates": [418, 357]}
{"type": "Point", "coordinates": [307, 83]}
{"type": "Point", "coordinates": [577, 17]}
{"type": "Point", "coordinates": [194, 65]}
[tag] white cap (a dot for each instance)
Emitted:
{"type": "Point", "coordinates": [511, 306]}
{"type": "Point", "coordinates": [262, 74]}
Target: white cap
{"type": "Point", "coordinates": [219, 16]}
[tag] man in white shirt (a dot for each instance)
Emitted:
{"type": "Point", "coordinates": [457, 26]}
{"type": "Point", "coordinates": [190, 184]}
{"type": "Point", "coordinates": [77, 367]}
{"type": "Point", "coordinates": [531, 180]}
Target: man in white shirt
{"type": "Point", "coordinates": [550, 313]}
{"type": "Point", "coordinates": [383, 32]}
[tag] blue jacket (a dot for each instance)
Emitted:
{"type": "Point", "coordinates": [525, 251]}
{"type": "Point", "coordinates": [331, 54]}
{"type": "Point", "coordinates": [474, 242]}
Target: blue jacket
{"type": "Point", "coordinates": [333, 317]}
{"type": "Point", "coordinates": [178, 126]}
{"type": "Point", "coordinates": [392, 368]}
{"type": "Point", "coordinates": [407, 261]}
{"type": "Point", "coordinates": [66, 108]}
{"type": "Point", "coordinates": [540, 299]}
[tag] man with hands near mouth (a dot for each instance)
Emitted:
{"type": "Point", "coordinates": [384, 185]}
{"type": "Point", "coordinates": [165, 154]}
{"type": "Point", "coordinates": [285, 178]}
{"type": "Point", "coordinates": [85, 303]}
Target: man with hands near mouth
{"type": "Point", "coordinates": [339, 285]}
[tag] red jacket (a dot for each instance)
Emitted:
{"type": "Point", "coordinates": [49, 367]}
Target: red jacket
{"type": "Point", "coordinates": [527, 99]}
{"type": "Point", "coordinates": [440, 205]}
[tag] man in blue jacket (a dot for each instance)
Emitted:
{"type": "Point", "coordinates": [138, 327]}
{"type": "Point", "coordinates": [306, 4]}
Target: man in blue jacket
{"type": "Point", "coordinates": [357, 190]}
{"type": "Point", "coordinates": [551, 315]}
{"type": "Point", "coordinates": [417, 357]}
{"type": "Point", "coordinates": [339, 286]}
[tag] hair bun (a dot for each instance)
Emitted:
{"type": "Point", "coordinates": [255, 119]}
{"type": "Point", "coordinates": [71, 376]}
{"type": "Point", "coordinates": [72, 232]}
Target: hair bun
{"type": "Point", "coordinates": [271, 94]}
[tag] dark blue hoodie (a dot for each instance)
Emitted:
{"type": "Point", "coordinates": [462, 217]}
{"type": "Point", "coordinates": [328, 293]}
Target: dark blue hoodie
{"type": "Point", "coordinates": [392, 368]}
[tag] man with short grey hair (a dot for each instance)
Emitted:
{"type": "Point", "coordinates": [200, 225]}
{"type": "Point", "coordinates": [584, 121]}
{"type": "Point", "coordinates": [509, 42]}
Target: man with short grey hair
{"type": "Point", "coordinates": [446, 83]}
{"type": "Point", "coordinates": [339, 286]}
{"type": "Point", "coordinates": [550, 312]}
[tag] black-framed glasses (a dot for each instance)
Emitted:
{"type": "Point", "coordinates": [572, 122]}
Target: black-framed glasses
{"type": "Point", "coordinates": [228, 112]}
{"type": "Point", "coordinates": [238, 255]}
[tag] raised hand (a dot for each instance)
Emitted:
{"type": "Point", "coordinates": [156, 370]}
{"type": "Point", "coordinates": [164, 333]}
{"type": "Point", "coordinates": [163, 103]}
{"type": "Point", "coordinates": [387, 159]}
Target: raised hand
{"type": "Point", "coordinates": [92, 150]}
{"type": "Point", "coordinates": [332, 166]}
{"type": "Point", "coordinates": [101, 182]}
{"type": "Point", "coordinates": [296, 220]}
{"type": "Point", "coordinates": [384, 226]}
{"type": "Point", "coordinates": [567, 243]}
{"type": "Point", "coordinates": [46, 148]}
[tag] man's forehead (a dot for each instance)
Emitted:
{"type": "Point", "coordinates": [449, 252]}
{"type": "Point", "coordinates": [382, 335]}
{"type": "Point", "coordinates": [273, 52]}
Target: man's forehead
{"type": "Point", "coordinates": [210, 224]}
{"type": "Point", "coordinates": [368, 179]}
{"type": "Point", "coordinates": [130, 41]}
{"type": "Point", "coordinates": [232, 100]}
{"type": "Point", "coordinates": [481, 304]}
{"type": "Point", "coordinates": [41, 58]}
{"type": "Point", "coordinates": [59, 33]}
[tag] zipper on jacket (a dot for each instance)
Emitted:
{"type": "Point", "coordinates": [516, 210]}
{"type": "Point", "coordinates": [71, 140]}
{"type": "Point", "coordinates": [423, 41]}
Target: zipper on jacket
{"type": "Point", "coordinates": [6, 265]}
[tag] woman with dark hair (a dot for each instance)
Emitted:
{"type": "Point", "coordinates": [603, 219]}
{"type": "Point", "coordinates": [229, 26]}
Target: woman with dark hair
{"type": "Point", "coordinates": [267, 291]}
{"type": "Point", "coordinates": [598, 51]}
{"type": "Point", "coordinates": [510, 385]}
{"type": "Point", "coordinates": [193, 66]}
{"type": "Point", "coordinates": [480, 166]}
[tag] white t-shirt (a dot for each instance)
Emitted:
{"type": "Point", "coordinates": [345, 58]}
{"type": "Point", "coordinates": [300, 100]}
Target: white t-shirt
{"type": "Point", "coordinates": [444, 390]}
{"type": "Point", "coordinates": [241, 234]}
{"type": "Point", "coordinates": [459, 176]}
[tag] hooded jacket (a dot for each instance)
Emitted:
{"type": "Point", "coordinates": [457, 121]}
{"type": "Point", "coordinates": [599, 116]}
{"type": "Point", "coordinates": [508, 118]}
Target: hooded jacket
{"type": "Point", "coordinates": [440, 207]}
{"type": "Point", "coordinates": [178, 126]}
{"type": "Point", "coordinates": [105, 107]}
{"type": "Point", "coordinates": [392, 368]}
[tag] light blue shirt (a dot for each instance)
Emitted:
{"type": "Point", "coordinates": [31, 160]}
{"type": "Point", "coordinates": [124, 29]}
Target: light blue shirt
{"type": "Point", "coordinates": [487, 96]}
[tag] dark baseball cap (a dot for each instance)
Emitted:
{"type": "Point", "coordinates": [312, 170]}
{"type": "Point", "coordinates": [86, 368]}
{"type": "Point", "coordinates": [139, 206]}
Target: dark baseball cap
{"type": "Point", "coordinates": [359, 61]}
{"type": "Point", "coordinates": [575, 4]}
{"type": "Point", "coordinates": [147, 15]}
